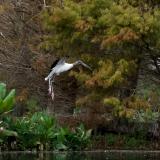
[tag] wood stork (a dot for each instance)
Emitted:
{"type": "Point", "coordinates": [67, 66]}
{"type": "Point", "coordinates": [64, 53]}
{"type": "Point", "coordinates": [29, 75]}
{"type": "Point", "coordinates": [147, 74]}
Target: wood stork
{"type": "Point", "coordinates": [60, 66]}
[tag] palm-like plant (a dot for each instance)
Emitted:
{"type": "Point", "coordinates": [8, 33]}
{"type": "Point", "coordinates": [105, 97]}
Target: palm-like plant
{"type": "Point", "coordinates": [39, 131]}
{"type": "Point", "coordinates": [65, 139]}
{"type": "Point", "coordinates": [35, 132]}
{"type": "Point", "coordinates": [7, 101]}
{"type": "Point", "coordinates": [79, 139]}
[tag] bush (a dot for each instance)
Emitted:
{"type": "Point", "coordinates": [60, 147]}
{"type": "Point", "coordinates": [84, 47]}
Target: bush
{"type": "Point", "coordinates": [41, 132]}
{"type": "Point", "coordinates": [7, 101]}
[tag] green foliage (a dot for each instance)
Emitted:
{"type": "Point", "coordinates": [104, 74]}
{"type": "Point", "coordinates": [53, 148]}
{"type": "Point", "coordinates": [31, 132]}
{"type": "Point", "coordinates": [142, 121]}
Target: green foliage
{"type": "Point", "coordinates": [41, 132]}
{"type": "Point", "coordinates": [111, 139]}
{"type": "Point", "coordinates": [104, 81]}
{"type": "Point", "coordinates": [80, 138]}
{"type": "Point", "coordinates": [100, 23]}
{"type": "Point", "coordinates": [133, 108]}
{"type": "Point", "coordinates": [38, 131]}
{"type": "Point", "coordinates": [32, 105]}
{"type": "Point", "coordinates": [126, 141]}
{"type": "Point", "coordinates": [76, 140]}
{"type": "Point", "coordinates": [82, 29]}
{"type": "Point", "coordinates": [6, 100]}
{"type": "Point", "coordinates": [112, 101]}
{"type": "Point", "coordinates": [113, 36]}
{"type": "Point", "coordinates": [146, 116]}
{"type": "Point", "coordinates": [2, 90]}
{"type": "Point", "coordinates": [34, 131]}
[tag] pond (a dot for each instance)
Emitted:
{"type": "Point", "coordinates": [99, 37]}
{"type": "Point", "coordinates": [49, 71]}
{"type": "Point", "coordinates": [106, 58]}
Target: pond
{"type": "Point", "coordinates": [98, 155]}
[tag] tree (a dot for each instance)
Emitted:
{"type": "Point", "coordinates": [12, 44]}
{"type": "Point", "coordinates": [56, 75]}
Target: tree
{"type": "Point", "coordinates": [116, 37]}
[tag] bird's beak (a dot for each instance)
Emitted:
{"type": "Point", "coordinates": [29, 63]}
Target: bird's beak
{"type": "Point", "coordinates": [89, 68]}
{"type": "Point", "coordinates": [85, 65]}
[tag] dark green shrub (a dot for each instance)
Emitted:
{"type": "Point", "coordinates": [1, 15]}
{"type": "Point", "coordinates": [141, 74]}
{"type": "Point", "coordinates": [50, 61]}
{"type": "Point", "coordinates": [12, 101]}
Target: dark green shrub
{"type": "Point", "coordinates": [7, 101]}
{"type": "Point", "coordinates": [41, 132]}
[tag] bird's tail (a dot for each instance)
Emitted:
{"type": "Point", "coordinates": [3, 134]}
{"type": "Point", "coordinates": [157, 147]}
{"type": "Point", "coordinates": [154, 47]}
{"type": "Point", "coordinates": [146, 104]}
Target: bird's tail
{"type": "Point", "coordinates": [51, 74]}
{"type": "Point", "coordinates": [46, 78]}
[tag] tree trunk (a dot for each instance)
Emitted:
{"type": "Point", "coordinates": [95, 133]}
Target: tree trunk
{"type": "Point", "coordinates": [148, 82]}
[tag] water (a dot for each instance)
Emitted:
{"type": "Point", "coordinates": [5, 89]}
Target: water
{"type": "Point", "coordinates": [108, 155]}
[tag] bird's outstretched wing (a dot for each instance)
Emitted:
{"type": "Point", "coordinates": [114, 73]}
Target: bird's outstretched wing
{"type": "Point", "coordinates": [85, 65]}
{"type": "Point", "coordinates": [61, 61]}
{"type": "Point", "coordinates": [57, 63]}
{"type": "Point", "coordinates": [54, 63]}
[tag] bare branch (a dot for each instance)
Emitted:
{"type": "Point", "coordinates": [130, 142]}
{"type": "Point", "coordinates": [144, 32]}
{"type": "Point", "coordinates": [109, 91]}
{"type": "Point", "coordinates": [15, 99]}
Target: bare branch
{"type": "Point", "coordinates": [44, 4]}
{"type": "Point", "coordinates": [1, 34]}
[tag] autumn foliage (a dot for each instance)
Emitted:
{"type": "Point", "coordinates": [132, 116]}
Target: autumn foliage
{"type": "Point", "coordinates": [112, 37]}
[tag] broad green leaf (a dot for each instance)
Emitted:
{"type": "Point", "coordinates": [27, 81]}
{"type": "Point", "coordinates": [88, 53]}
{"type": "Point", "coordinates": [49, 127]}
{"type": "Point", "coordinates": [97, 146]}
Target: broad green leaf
{"type": "Point", "coordinates": [88, 133]}
{"type": "Point", "coordinates": [2, 90]}
{"type": "Point", "coordinates": [5, 132]}
{"type": "Point", "coordinates": [8, 102]}
{"type": "Point", "coordinates": [61, 146]}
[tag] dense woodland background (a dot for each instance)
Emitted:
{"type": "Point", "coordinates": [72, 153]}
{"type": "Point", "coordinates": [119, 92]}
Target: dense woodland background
{"type": "Point", "coordinates": [119, 39]}
{"type": "Point", "coordinates": [23, 63]}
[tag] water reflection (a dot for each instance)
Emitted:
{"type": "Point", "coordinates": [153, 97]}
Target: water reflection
{"type": "Point", "coordinates": [80, 156]}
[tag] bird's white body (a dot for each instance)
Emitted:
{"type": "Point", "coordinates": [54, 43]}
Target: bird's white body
{"type": "Point", "coordinates": [60, 67]}
{"type": "Point", "coordinates": [63, 68]}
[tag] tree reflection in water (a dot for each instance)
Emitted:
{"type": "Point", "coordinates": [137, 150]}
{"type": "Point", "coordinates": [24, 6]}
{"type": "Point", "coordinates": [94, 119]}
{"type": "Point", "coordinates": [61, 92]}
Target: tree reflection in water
{"type": "Point", "coordinates": [109, 155]}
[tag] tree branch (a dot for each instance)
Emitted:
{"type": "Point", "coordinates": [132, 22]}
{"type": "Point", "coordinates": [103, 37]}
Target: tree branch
{"type": "Point", "coordinates": [154, 58]}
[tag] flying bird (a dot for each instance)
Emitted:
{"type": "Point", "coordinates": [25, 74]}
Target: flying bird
{"type": "Point", "coordinates": [58, 67]}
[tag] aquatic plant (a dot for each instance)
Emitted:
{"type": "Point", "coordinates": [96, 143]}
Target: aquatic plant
{"type": "Point", "coordinates": [7, 100]}
{"type": "Point", "coordinates": [41, 132]}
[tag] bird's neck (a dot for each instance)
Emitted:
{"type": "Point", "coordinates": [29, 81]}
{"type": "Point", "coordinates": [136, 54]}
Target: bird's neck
{"type": "Point", "coordinates": [75, 63]}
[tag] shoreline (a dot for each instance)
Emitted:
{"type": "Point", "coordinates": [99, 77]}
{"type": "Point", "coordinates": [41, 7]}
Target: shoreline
{"type": "Point", "coordinates": [91, 151]}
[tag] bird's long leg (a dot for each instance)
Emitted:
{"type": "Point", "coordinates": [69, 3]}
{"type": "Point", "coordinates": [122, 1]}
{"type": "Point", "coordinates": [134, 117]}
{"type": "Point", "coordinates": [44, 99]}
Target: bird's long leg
{"type": "Point", "coordinates": [50, 86]}
{"type": "Point", "coordinates": [52, 91]}
{"type": "Point", "coordinates": [44, 3]}
{"type": "Point", "coordinates": [50, 83]}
